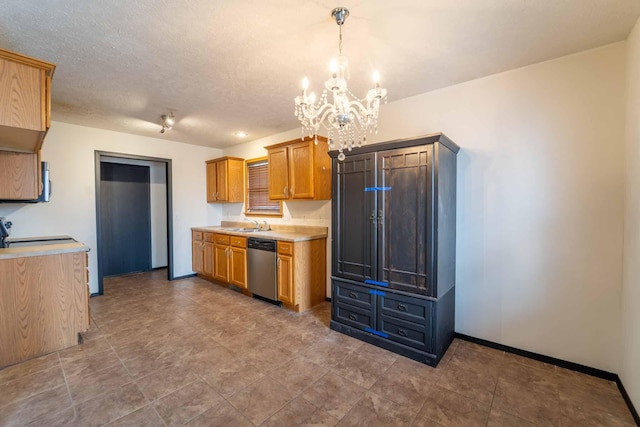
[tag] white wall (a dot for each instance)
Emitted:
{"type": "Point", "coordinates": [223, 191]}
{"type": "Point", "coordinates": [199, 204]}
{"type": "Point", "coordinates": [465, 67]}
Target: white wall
{"type": "Point", "coordinates": [70, 149]}
{"type": "Point", "coordinates": [540, 202]}
{"type": "Point", "coordinates": [630, 367]}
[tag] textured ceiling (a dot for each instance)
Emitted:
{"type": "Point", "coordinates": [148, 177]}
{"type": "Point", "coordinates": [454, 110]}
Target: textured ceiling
{"type": "Point", "coordinates": [227, 65]}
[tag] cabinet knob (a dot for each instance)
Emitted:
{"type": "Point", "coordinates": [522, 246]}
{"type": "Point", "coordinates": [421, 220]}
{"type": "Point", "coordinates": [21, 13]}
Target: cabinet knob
{"type": "Point", "coordinates": [402, 307]}
{"type": "Point", "coordinates": [353, 316]}
{"type": "Point", "coordinates": [353, 295]}
{"type": "Point", "coordinates": [402, 332]}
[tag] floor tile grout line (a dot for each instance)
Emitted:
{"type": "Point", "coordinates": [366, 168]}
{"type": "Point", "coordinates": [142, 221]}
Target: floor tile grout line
{"type": "Point", "coordinates": [66, 382]}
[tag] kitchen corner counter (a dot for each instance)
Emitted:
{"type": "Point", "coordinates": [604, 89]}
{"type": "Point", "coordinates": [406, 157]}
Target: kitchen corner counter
{"type": "Point", "coordinates": [286, 233]}
{"type": "Point", "coordinates": [43, 249]}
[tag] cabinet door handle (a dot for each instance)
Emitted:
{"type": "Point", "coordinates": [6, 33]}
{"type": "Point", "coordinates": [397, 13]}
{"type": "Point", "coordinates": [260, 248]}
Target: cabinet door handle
{"type": "Point", "coordinates": [353, 295]}
{"type": "Point", "coordinates": [402, 307]}
{"type": "Point", "coordinates": [402, 332]}
{"type": "Point", "coordinates": [353, 316]}
{"type": "Point", "coordinates": [291, 191]}
{"type": "Point", "coordinates": [217, 192]}
{"type": "Point", "coordinates": [278, 262]}
{"type": "Point", "coordinates": [372, 217]}
{"type": "Point", "coordinates": [380, 218]}
{"type": "Point", "coordinates": [284, 191]}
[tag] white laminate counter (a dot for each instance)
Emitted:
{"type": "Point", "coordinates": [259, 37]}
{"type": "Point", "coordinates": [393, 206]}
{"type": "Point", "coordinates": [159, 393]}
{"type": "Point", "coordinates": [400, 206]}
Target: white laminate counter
{"type": "Point", "coordinates": [293, 234]}
{"type": "Point", "coordinates": [43, 249]}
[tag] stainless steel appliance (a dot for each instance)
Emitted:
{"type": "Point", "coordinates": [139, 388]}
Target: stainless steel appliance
{"type": "Point", "coordinates": [261, 265]}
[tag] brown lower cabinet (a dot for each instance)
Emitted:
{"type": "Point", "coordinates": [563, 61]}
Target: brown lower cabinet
{"type": "Point", "coordinates": [301, 266]}
{"type": "Point", "coordinates": [301, 273]}
{"type": "Point", "coordinates": [43, 304]}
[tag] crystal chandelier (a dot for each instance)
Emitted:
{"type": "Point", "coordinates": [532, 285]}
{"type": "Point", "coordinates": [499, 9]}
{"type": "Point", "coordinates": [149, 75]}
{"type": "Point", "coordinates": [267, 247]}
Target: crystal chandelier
{"type": "Point", "coordinates": [346, 118]}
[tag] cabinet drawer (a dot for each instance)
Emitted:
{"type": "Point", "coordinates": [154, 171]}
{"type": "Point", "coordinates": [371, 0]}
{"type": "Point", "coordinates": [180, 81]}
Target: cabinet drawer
{"type": "Point", "coordinates": [222, 239]}
{"type": "Point", "coordinates": [196, 235]}
{"type": "Point", "coordinates": [411, 334]}
{"type": "Point", "coordinates": [354, 316]}
{"type": "Point", "coordinates": [285, 248]}
{"type": "Point", "coordinates": [238, 242]}
{"type": "Point", "coordinates": [208, 237]}
{"type": "Point", "coordinates": [407, 308]}
{"type": "Point", "coordinates": [355, 295]}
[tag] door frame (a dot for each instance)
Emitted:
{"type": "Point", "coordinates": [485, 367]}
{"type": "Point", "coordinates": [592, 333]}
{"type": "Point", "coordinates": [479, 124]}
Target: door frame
{"type": "Point", "coordinates": [167, 163]}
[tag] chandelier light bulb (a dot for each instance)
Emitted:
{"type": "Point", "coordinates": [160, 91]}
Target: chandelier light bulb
{"type": "Point", "coordinates": [305, 83]}
{"type": "Point", "coordinates": [376, 77]}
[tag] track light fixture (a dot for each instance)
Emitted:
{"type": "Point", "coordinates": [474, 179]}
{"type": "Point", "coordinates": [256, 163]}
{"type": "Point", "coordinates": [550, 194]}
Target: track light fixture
{"type": "Point", "coordinates": [167, 122]}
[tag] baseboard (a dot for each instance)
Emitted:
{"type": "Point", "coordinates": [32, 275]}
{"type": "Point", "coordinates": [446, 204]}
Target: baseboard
{"type": "Point", "coordinates": [158, 268]}
{"type": "Point", "coordinates": [609, 376]}
{"type": "Point", "coordinates": [186, 276]}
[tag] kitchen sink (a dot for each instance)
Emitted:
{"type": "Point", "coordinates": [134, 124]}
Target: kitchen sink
{"type": "Point", "coordinates": [243, 230]}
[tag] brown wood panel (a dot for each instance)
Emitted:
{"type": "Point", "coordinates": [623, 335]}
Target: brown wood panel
{"type": "Point", "coordinates": [208, 237]}
{"type": "Point", "coordinates": [301, 170]}
{"type": "Point", "coordinates": [309, 271]}
{"type": "Point", "coordinates": [196, 255]}
{"type": "Point", "coordinates": [207, 258]}
{"type": "Point", "coordinates": [235, 181]}
{"type": "Point", "coordinates": [221, 262]}
{"type": "Point", "coordinates": [211, 182]}
{"type": "Point", "coordinates": [221, 239]}
{"type": "Point", "coordinates": [222, 183]}
{"type": "Point", "coordinates": [239, 242]}
{"type": "Point", "coordinates": [43, 304]}
{"type": "Point", "coordinates": [285, 248]}
{"type": "Point", "coordinates": [197, 235]}
{"type": "Point", "coordinates": [22, 96]}
{"type": "Point", "coordinates": [322, 170]}
{"type": "Point", "coordinates": [238, 267]}
{"type": "Point", "coordinates": [19, 176]}
{"type": "Point", "coordinates": [278, 173]}
{"type": "Point", "coordinates": [286, 292]}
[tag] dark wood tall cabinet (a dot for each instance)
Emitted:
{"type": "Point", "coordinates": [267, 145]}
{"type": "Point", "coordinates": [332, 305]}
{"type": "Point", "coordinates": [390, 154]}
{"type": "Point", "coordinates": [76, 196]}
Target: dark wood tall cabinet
{"type": "Point", "coordinates": [393, 229]}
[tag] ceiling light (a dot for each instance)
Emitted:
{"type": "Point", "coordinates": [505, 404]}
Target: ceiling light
{"type": "Point", "coordinates": [241, 134]}
{"type": "Point", "coordinates": [347, 119]}
{"type": "Point", "coordinates": [167, 122]}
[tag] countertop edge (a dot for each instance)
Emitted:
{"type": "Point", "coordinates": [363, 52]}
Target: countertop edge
{"type": "Point", "coordinates": [63, 248]}
{"type": "Point", "coordinates": [285, 236]}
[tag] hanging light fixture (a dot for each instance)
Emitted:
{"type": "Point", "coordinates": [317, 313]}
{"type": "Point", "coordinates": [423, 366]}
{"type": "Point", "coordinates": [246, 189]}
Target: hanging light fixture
{"type": "Point", "coordinates": [167, 122]}
{"type": "Point", "coordinates": [346, 118]}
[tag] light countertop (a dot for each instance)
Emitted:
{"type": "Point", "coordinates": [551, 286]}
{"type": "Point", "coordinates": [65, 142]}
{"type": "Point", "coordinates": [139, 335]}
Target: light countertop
{"type": "Point", "coordinates": [43, 249]}
{"type": "Point", "coordinates": [287, 233]}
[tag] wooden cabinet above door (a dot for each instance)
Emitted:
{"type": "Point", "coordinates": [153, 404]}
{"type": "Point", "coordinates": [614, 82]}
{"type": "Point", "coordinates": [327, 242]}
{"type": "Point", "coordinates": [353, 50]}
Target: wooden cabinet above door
{"type": "Point", "coordinates": [225, 180]}
{"type": "Point", "coordinates": [25, 101]}
{"type": "Point", "coordinates": [299, 169]}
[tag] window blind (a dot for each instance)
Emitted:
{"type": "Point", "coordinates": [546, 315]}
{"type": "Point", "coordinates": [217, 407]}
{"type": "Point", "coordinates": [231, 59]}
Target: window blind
{"type": "Point", "coordinates": [258, 189]}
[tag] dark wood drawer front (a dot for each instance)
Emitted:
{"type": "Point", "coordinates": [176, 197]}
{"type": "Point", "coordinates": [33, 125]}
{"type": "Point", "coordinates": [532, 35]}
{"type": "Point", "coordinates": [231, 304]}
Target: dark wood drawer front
{"type": "Point", "coordinates": [407, 333]}
{"type": "Point", "coordinates": [402, 307]}
{"type": "Point", "coordinates": [354, 316]}
{"type": "Point", "coordinates": [347, 293]}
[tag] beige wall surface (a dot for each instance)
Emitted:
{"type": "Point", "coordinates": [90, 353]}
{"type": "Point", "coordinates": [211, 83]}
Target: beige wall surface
{"type": "Point", "coordinates": [70, 149]}
{"type": "Point", "coordinates": [540, 201]}
{"type": "Point", "coordinates": [630, 366]}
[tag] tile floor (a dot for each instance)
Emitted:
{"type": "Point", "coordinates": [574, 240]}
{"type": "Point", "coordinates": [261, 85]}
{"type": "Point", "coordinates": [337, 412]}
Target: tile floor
{"type": "Point", "coordinates": [190, 352]}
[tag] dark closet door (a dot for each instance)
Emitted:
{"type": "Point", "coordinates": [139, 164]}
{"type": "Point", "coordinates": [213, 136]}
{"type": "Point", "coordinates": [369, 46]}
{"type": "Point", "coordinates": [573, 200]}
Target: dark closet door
{"type": "Point", "coordinates": [354, 213]}
{"type": "Point", "coordinates": [125, 218]}
{"type": "Point", "coordinates": [405, 232]}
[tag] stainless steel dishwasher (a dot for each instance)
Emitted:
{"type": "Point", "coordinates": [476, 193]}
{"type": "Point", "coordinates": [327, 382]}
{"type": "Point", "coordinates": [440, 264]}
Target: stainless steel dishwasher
{"type": "Point", "coordinates": [261, 264]}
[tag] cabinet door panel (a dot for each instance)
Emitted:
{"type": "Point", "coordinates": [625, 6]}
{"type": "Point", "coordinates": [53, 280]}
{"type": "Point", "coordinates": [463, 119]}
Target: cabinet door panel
{"type": "Point", "coordinates": [19, 174]}
{"type": "Point", "coordinates": [207, 258]}
{"type": "Point", "coordinates": [220, 263]}
{"type": "Point", "coordinates": [222, 186]}
{"type": "Point", "coordinates": [285, 279]}
{"type": "Point", "coordinates": [357, 317]}
{"type": "Point", "coordinates": [22, 91]}
{"type": "Point", "coordinates": [279, 173]}
{"type": "Point", "coordinates": [354, 213]}
{"type": "Point", "coordinates": [405, 227]}
{"type": "Point", "coordinates": [196, 256]}
{"type": "Point", "coordinates": [211, 182]}
{"type": "Point", "coordinates": [301, 170]}
{"type": "Point", "coordinates": [238, 267]}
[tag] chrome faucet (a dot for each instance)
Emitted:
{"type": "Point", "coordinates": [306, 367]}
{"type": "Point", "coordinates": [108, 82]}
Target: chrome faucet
{"type": "Point", "coordinates": [257, 224]}
{"type": "Point", "coordinates": [267, 227]}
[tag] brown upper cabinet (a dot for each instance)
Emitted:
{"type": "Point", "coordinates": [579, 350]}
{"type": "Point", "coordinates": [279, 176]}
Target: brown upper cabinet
{"type": "Point", "coordinates": [225, 180]}
{"type": "Point", "coordinates": [299, 169]}
{"type": "Point", "coordinates": [25, 101]}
